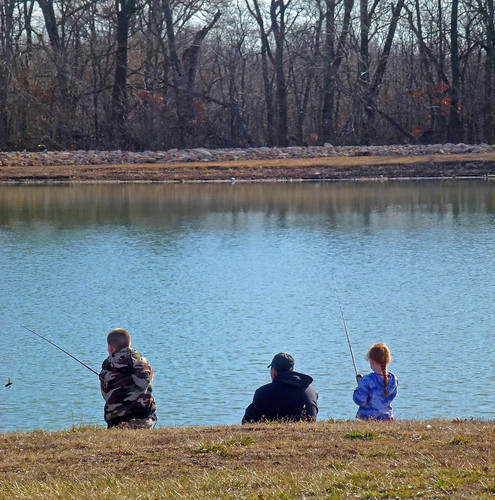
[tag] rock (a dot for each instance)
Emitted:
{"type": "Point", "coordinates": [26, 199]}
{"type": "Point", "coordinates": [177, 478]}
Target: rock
{"type": "Point", "coordinates": [148, 159]}
{"type": "Point", "coordinates": [201, 151]}
{"type": "Point", "coordinates": [460, 148]}
{"type": "Point", "coordinates": [433, 149]}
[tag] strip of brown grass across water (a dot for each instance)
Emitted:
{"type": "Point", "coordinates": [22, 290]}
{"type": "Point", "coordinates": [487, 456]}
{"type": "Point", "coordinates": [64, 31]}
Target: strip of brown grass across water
{"type": "Point", "coordinates": [321, 460]}
{"type": "Point", "coordinates": [323, 168]}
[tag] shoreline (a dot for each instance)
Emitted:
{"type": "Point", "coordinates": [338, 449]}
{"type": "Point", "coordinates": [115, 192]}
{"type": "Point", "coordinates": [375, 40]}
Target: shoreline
{"type": "Point", "coordinates": [338, 423]}
{"type": "Point", "coordinates": [295, 164]}
{"type": "Point", "coordinates": [322, 460]}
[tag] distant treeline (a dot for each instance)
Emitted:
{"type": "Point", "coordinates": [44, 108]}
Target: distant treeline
{"type": "Point", "coordinates": [161, 74]}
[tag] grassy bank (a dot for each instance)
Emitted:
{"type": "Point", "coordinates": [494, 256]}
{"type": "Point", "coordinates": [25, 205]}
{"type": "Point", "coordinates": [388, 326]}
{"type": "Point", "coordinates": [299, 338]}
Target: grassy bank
{"type": "Point", "coordinates": [326, 168]}
{"type": "Point", "coordinates": [401, 459]}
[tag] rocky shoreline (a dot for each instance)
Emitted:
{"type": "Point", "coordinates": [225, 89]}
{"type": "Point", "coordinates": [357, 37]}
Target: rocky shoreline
{"type": "Point", "coordinates": [63, 158]}
{"type": "Point", "coordinates": [252, 164]}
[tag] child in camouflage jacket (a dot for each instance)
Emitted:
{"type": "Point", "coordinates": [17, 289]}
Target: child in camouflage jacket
{"type": "Point", "coordinates": [125, 380]}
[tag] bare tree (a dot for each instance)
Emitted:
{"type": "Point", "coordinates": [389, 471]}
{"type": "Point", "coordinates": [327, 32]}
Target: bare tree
{"type": "Point", "coordinates": [489, 19]}
{"type": "Point", "coordinates": [6, 57]}
{"type": "Point", "coordinates": [434, 77]}
{"type": "Point", "coordinates": [303, 68]}
{"type": "Point", "coordinates": [485, 12]}
{"type": "Point", "coordinates": [334, 51]}
{"type": "Point", "coordinates": [230, 81]}
{"type": "Point", "coordinates": [184, 73]}
{"type": "Point", "coordinates": [370, 86]}
{"type": "Point", "coordinates": [100, 64]}
{"type": "Point", "coordinates": [266, 54]}
{"type": "Point", "coordinates": [454, 132]}
{"type": "Point", "coordinates": [125, 11]}
{"type": "Point", "coordinates": [278, 25]}
{"type": "Point", "coordinates": [174, 73]}
{"type": "Point", "coordinates": [60, 61]}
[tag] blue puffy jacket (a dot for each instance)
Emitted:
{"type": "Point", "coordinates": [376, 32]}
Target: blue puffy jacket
{"type": "Point", "coordinates": [369, 395]}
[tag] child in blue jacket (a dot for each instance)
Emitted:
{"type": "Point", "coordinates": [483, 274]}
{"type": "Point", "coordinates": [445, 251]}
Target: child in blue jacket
{"type": "Point", "coordinates": [375, 391]}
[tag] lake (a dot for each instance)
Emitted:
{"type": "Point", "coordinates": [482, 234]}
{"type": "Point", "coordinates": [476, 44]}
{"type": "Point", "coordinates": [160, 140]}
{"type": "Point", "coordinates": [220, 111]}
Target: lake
{"type": "Point", "coordinates": [212, 280]}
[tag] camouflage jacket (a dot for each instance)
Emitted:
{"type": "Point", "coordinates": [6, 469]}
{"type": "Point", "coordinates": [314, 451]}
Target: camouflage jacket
{"type": "Point", "coordinates": [125, 380]}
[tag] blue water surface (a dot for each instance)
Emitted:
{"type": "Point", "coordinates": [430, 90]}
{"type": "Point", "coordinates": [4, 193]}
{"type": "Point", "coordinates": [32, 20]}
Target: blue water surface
{"type": "Point", "coordinates": [212, 280]}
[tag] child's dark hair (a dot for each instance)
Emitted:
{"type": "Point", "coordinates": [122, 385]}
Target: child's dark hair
{"type": "Point", "coordinates": [380, 354]}
{"type": "Point", "coordinates": [119, 338]}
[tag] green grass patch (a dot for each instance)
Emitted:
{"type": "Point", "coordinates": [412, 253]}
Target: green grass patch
{"type": "Point", "coordinates": [447, 485]}
{"type": "Point", "coordinates": [224, 447]}
{"type": "Point", "coordinates": [489, 489]}
{"type": "Point", "coordinates": [379, 454]}
{"type": "Point", "coordinates": [85, 428]}
{"type": "Point", "coordinates": [217, 449]}
{"type": "Point", "coordinates": [354, 434]}
{"type": "Point", "coordinates": [460, 440]}
{"type": "Point", "coordinates": [240, 441]}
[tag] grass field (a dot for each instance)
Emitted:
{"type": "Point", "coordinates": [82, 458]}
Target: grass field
{"type": "Point", "coordinates": [321, 460]}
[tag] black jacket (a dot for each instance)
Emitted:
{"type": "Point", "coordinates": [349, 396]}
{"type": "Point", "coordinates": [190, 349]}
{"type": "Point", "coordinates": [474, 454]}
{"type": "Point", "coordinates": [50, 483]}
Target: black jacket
{"type": "Point", "coordinates": [288, 397]}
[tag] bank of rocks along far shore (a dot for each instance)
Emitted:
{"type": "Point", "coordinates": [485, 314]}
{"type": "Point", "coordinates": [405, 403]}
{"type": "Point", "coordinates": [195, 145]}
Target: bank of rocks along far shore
{"type": "Point", "coordinates": [251, 164]}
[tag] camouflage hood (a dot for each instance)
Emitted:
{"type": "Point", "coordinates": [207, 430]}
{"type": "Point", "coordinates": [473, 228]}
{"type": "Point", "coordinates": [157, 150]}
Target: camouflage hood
{"type": "Point", "coordinates": [125, 379]}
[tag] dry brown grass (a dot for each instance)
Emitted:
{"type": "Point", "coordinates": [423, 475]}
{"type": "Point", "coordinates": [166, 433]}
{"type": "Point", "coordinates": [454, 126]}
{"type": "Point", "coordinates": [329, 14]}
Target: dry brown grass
{"type": "Point", "coordinates": [401, 459]}
{"type": "Point", "coordinates": [333, 168]}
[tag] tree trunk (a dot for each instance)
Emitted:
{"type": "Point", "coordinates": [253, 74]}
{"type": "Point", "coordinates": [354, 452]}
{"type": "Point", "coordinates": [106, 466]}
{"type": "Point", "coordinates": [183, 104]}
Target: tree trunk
{"type": "Point", "coordinates": [277, 15]}
{"type": "Point", "coordinates": [333, 58]}
{"type": "Point", "coordinates": [363, 77]}
{"type": "Point", "coordinates": [489, 120]}
{"type": "Point", "coordinates": [6, 55]}
{"type": "Point", "coordinates": [326, 128]}
{"type": "Point", "coordinates": [176, 74]}
{"type": "Point", "coordinates": [370, 90]}
{"type": "Point", "coordinates": [190, 59]}
{"type": "Point", "coordinates": [270, 122]}
{"type": "Point", "coordinates": [267, 87]}
{"type": "Point", "coordinates": [184, 75]}
{"type": "Point", "coordinates": [64, 120]}
{"type": "Point", "coordinates": [119, 132]}
{"type": "Point", "coordinates": [454, 131]}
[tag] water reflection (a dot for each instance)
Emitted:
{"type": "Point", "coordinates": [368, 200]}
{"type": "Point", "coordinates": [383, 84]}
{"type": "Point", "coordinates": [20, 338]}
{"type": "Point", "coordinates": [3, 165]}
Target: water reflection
{"type": "Point", "coordinates": [156, 204]}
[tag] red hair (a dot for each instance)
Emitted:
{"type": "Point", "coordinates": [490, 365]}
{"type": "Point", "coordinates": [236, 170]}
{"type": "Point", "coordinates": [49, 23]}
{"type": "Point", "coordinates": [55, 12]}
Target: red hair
{"type": "Point", "coordinates": [380, 354]}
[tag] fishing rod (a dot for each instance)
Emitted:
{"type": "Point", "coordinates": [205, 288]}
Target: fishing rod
{"type": "Point", "coordinates": [345, 327]}
{"type": "Point", "coordinates": [58, 347]}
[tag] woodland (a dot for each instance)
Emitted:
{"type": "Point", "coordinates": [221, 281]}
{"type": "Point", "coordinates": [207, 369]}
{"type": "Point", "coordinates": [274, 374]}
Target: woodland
{"type": "Point", "coordinates": [164, 74]}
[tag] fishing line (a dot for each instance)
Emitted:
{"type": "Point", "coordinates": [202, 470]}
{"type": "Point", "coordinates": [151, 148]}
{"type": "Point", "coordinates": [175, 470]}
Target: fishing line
{"type": "Point", "coordinates": [9, 363]}
{"type": "Point", "coordinates": [58, 347]}
{"type": "Point", "coordinates": [345, 326]}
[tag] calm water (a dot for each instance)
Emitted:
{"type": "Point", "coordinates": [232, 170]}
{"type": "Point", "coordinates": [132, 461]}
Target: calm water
{"type": "Point", "coordinates": [212, 280]}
